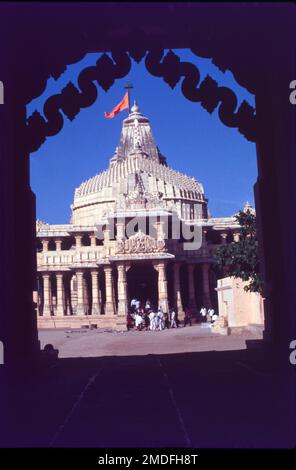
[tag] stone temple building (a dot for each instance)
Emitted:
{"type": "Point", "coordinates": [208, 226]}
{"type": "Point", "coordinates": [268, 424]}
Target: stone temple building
{"type": "Point", "coordinates": [138, 229]}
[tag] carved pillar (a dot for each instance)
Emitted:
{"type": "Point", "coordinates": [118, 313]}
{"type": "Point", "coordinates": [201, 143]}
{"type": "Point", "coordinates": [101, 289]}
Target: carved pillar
{"type": "Point", "coordinates": [44, 245]}
{"type": "Point", "coordinates": [73, 293]}
{"type": "Point", "coordinates": [109, 306]}
{"type": "Point", "coordinates": [121, 322]}
{"type": "Point", "coordinates": [78, 241]}
{"type": "Point", "coordinates": [177, 289]}
{"type": "Point", "coordinates": [46, 294]}
{"type": "Point", "coordinates": [95, 292]}
{"type": "Point", "coordinates": [93, 243]}
{"type": "Point", "coordinates": [106, 233]}
{"type": "Point", "coordinates": [60, 295]}
{"type": "Point", "coordinates": [80, 304]}
{"type": "Point", "coordinates": [68, 306]}
{"type": "Point", "coordinates": [162, 286]}
{"type": "Point", "coordinates": [106, 240]}
{"type": "Point", "coordinates": [85, 296]}
{"type": "Point", "coordinates": [120, 227]}
{"type": "Point", "coordinates": [223, 236]}
{"type": "Point", "coordinates": [58, 244]}
{"type": "Point", "coordinates": [206, 285]}
{"type": "Point", "coordinates": [191, 289]}
{"type": "Point", "coordinates": [159, 227]}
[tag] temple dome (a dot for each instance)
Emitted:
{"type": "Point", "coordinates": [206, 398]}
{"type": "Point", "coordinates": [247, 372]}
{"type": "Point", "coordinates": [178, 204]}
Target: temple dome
{"type": "Point", "coordinates": [137, 158]}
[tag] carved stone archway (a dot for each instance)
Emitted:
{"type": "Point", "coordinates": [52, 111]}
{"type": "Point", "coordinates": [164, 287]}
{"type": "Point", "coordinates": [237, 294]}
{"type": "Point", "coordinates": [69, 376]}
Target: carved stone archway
{"type": "Point", "coordinates": [32, 50]}
{"type": "Point", "coordinates": [160, 64]}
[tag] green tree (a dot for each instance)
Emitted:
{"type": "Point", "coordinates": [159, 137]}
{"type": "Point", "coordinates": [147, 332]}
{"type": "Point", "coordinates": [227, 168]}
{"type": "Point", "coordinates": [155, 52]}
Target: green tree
{"type": "Point", "coordinates": [240, 259]}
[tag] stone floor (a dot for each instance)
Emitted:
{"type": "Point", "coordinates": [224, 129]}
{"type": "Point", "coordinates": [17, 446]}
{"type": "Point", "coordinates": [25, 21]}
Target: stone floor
{"type": "Point", "coordinates": [97, 343]}
{"type": "Point", "coordinates": [167, 398]}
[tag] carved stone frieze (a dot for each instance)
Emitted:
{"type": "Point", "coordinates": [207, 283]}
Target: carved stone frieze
{"type": "Point", "coordinates": [140, 243]}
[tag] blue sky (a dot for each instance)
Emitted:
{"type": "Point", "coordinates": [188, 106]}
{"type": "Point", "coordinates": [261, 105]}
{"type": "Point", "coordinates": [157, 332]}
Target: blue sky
{"type": "Point", "coordinates": [193, 141]}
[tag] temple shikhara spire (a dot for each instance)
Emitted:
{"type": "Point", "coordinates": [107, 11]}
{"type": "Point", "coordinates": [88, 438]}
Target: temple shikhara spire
{"type": "Point", "coordinates": [121, 242]}
{"type": "Point", "coordinates": [137, 157]}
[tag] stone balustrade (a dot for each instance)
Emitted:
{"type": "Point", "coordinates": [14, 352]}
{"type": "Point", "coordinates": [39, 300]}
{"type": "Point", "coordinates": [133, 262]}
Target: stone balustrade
{"type": "Point", "coordinates": [69, 258]}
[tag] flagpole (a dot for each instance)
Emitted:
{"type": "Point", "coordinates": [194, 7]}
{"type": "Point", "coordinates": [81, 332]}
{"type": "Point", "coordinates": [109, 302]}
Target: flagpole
{"type": "Point", "coordinates": [128, 87]}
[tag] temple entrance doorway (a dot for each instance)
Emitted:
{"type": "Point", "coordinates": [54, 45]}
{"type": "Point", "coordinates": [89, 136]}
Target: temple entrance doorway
{"type": "Point", "coordinates": [142, 283]}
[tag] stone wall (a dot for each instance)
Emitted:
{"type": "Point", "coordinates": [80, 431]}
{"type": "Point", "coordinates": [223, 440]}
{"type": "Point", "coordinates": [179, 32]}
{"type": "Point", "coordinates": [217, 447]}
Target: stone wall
{"type": "Point", "coordinates": [241, 309]}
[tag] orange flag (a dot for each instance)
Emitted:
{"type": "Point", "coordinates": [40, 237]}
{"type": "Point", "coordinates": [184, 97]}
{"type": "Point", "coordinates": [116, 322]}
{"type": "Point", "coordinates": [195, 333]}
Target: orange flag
{"type": "Point", "coordinates": [124, 104]}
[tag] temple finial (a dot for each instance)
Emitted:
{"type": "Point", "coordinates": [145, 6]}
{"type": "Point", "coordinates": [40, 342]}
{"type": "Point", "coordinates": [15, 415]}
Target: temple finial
{"type": "Point", "coordinates": [135, 108]}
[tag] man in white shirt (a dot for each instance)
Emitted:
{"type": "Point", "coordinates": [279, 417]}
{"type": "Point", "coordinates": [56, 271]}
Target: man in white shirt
{"type": "Point", "coordinates": [173, 319]}
{"type": "Point", "coordinates": [151, 319]}
{"type": "Point", "coordinates": [138, 321]}
{"type": "Point", "coordinates": [203, 312]}
{"type": "Point", "coordinates": [214, 317]}
{"type": "Point", "coordinates": [133, 304]}
{"type": "Point", "coordinates": [160, 317]}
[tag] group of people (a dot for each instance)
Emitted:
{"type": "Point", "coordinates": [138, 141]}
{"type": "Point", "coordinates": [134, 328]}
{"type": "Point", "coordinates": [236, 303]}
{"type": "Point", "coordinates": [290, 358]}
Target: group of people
{"type": "Point", "coordinates": [208, 315]}
{"type": "Point", "coordinates": [144, 316]}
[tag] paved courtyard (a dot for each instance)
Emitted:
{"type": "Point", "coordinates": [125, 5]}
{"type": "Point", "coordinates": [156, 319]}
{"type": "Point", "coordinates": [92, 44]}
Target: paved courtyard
{"type": "Point", "coordinates": [98, 343]}
{"type": "Point", "coordinates": [175, 388]}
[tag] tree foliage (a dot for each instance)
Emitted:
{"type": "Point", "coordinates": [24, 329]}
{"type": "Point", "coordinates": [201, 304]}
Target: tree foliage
{"type": "Point", "coordinates": [240, 259]}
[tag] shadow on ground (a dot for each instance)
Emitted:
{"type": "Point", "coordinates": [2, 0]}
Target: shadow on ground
{"type": "Point", "coordinates": [204, 399]}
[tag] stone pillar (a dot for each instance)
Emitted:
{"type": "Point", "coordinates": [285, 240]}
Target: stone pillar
{"type": "Point", "coordinates": [162, 286]}
{"type": "Point", "coordinates": [60, 295]}
{"type": "Point", "coordinates": [44, 245]}
{"type": "Point", "coordinates": [80, 304]}
{"type": "Point", "coordinates": [18, 320]}
{"type": "Point", "coordinates": [236, 236]}
{"type": "Point", "coordinates": [120, 227]}
{"type": "Point", "coordinates": [106, 241]}
{"type": "Point", "coordinates": [78, 239]}
{"type": "Point", "coordinates": [206, 285]}
{"type": "Point", "coordinates": [121, 321]}
{"type": "Point", "coordinates": [109, 306]}
{"type": "Point", "coordinates": [191, 290]}
{"type": "Point", "coordinates": [73, 293]}
{"type": "Point", "coordinates": [46, 294]}
{"type": "Point", "coordinates": [68, 306]}
{"type": "Point", "coordinates": [67, 294]}
{"type": "Point", "coordinates": [159, 227]}
{"type": "Point", "coordinates": [106, 234]}
{"type": "Point", "coordinates": [223, 236]}
{"type": "Point", "coordinates": [95, 292]}
{"type": "Point", "coordinates": [93, 243]}
{"type": "Point", "coordinates": [58, 244]}
{"type": "Point", "coordinates": [177, 289]}
{"type": "Point", "coordinates": [85, 296]}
